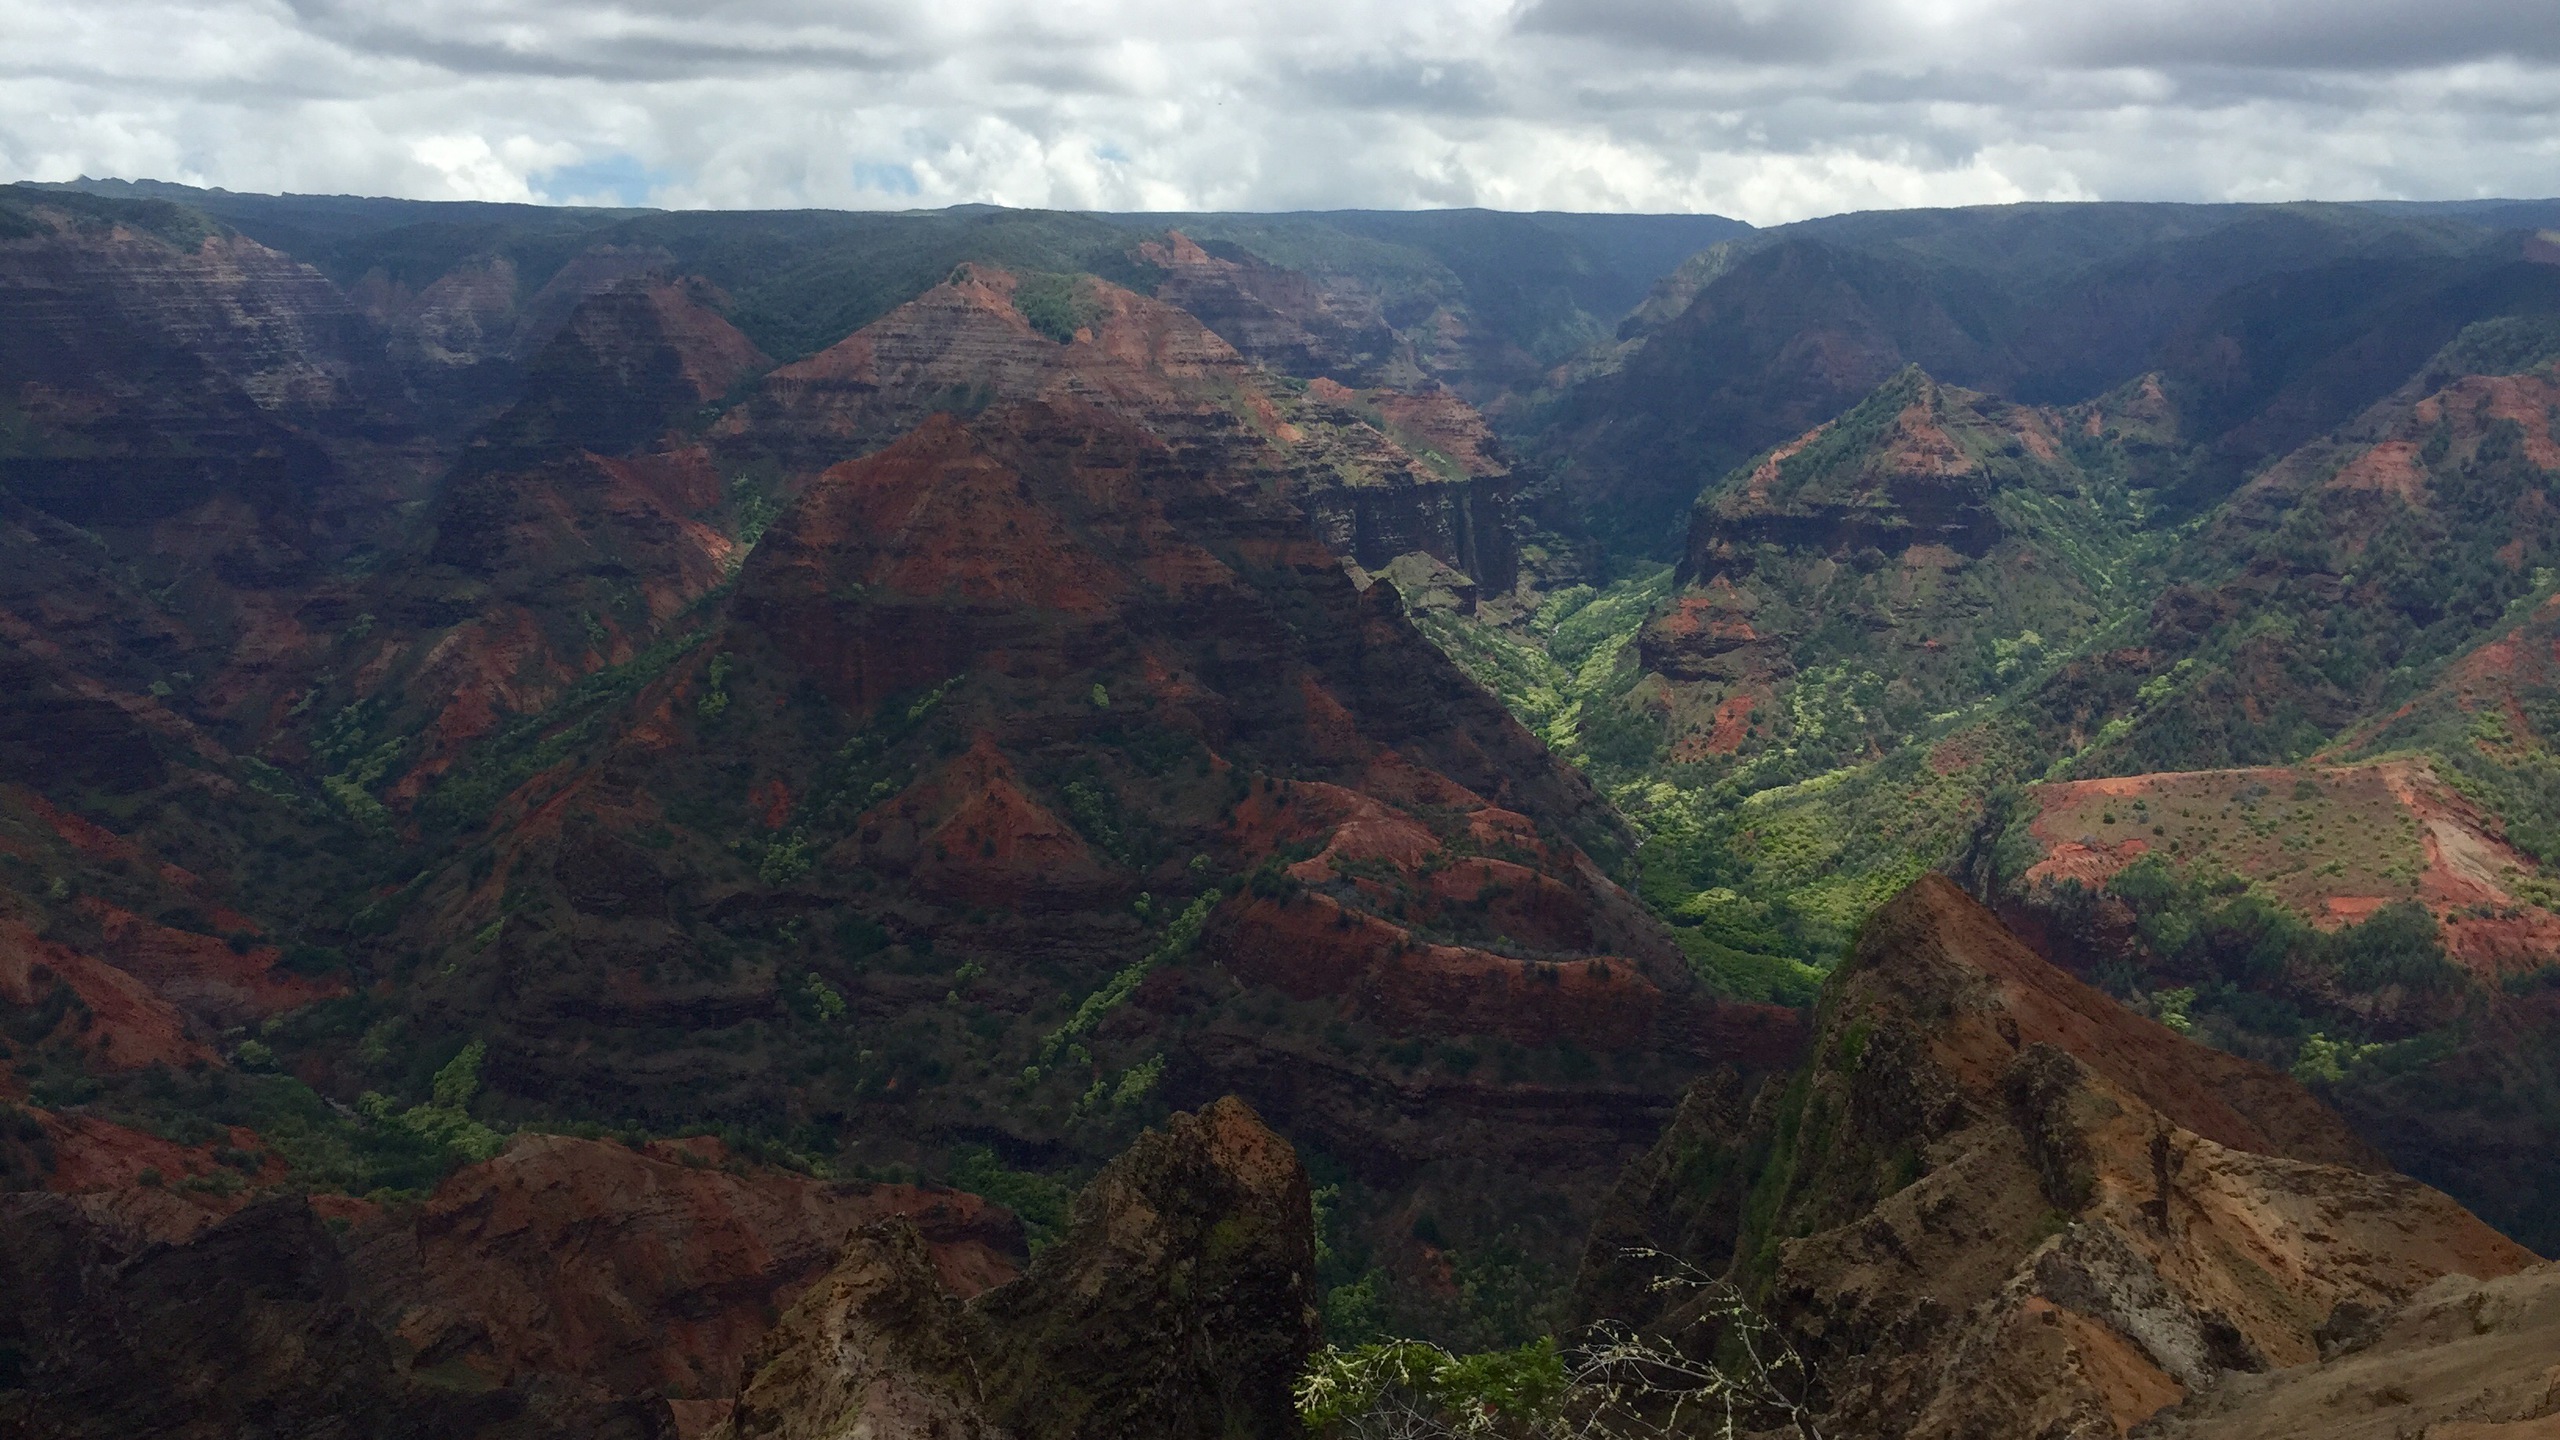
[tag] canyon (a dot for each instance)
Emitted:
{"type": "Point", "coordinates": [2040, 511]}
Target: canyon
{"type": "Point", "coordinates": [1011, 823]}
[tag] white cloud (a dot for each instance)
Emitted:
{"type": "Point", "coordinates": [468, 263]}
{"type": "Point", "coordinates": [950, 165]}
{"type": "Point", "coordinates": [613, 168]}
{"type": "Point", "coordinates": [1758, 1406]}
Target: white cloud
{"type": "Point", "coordinates": [1767, 109]}
{"type": "Point", "coordinates": [473, 169]}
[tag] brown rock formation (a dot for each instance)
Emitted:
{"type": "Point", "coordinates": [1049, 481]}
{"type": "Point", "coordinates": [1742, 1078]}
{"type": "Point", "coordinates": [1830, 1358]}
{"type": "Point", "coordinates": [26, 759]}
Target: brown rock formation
{"type": "Point", "coordinates": [876, 1347]}
{"type": "Point", "coordinates": [1275, 317]}
{"type": "Point", "coordinates": [620, 1272]}
{"type": "Point", "coordinates": [2464, 1359]}
{"type": "Point", "coordinates": [1379, 473]}
{"type": "Point", "coordinates": [570, 1286]}
{"type": "Point", "coordinates": [1179, 1303]}
{"type": "Point", "coordinates": [1997, 1203]}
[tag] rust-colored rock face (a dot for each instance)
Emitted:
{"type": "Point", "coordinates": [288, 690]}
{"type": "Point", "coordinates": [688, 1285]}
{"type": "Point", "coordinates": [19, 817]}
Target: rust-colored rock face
{"type": "Point", "coordinates": [570, 1284]}
{"type": "Point", "coordinates": [622, 1272]}
{"type": "Point", "coordinates": [144, 1185]}
{"type": "Point", "coordinates": [1180, 1302]}
{"type": "Point", "coordinates": [1937, 952]}
{"type": "Point", "coordinates": [131, 1025]}
{"type": "Point", "coordinates": [571, 533]}
{"type": "Point", "coordinates": [1992, 1171]}
{"type": "Point", "coordinates": [1275, 317]}
{"type": "Point", "coordinates": [1380, 473]}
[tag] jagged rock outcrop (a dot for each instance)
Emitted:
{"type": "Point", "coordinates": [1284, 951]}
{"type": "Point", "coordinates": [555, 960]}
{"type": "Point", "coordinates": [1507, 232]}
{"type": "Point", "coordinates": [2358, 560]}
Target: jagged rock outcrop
{"type": "Point", "coordinates": [2464, 1359]}
{"type": "Point", "coordinates": [878, 1347]}
{"type": "Point", "coordinates": [1179, 1303]}
{"type": "Point", "coordinates": [1684, 1198]}
{"type": "Point", "coordinates": [1995, 1202]}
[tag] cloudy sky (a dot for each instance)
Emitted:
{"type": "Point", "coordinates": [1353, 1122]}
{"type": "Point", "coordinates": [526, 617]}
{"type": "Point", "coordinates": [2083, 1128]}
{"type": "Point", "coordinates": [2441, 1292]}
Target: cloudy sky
{"type": "Point", "coordinates": [1764, 109]}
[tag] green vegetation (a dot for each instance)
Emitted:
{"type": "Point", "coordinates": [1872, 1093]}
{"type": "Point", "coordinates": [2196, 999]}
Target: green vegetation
{"type": "Point", "coordinates": [1179, 937]}
{"type": "Point", "coordinates": [1721, 1368]}
{"type": "Point", "coordinates": [1040, 1201]}
{"type": "Point", "coordinates": [2503, 345]}
{"type": "Point", "coordinates": [527, 746]}
{"type": "Point", "coordinates": [180, 225]}
{"type": "Point", "coordinates": [1854, 708]}
{"type": "Point", "coordinates": [444, 1122]}
{"type": "Point", "coordinates": [1056, 305]}
{"type": "Point", "coordinates": [2193, 920]}
{"type": "Point", "coordinates": [1486, 1394]}
{"type": "Point", "coordinates": [2221, 958]}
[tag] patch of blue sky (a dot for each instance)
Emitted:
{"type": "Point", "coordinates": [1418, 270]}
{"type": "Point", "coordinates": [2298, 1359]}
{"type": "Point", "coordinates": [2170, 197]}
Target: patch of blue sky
{"type": "Point", "coordinates": [882, 178]}
{"type": "Point", "coordinates": [616, 179]}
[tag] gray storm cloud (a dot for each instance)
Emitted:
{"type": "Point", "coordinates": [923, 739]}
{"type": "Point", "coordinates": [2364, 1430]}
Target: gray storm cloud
{"type": "Point", "coordinates": [1756, 108]}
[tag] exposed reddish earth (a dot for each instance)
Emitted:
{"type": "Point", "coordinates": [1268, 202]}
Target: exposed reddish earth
{"type": "Point", "coordinates": [1380, 473]}
{"type": "Point", "coordinates": [2005, 1205]}
{"type": "Point", "coordinates": [970, 835]}
{"type": "Point", "coordinates": [158, 1188]}
{"type": "Point", "coordinates": [126, 1025]}
{"type": "Point", "coordinates": [2333, 843]}
{"type": "Point", "coordinates": [202, 974]}
{"type": "Point", "coordinates": [573, 531]}
{"type": "Point", "coordinates": [625, 1271]}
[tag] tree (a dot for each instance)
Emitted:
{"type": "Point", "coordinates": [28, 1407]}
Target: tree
{"type": "Point", "coordinates": [1723, 1370]}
